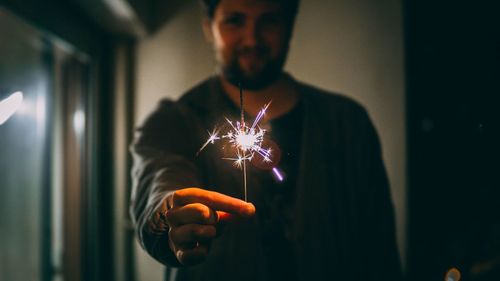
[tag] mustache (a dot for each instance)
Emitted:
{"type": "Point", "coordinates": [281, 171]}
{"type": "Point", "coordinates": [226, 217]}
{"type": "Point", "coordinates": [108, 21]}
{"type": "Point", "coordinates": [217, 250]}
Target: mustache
{"type": "Point", "coordinates": [257, 50]}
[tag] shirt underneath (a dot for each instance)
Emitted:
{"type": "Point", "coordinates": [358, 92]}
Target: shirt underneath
{"type": "Point", "coordinates": [275, 203]}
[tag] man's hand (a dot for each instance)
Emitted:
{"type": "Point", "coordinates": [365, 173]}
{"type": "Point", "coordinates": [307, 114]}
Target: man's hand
{"type": "Point", "coordinates": [192, 216]}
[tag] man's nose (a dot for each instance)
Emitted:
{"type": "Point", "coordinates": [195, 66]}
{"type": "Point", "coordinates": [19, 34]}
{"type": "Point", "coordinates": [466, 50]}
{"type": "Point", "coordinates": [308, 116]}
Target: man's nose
{"type": "Point", "coordinates": [251, 34]}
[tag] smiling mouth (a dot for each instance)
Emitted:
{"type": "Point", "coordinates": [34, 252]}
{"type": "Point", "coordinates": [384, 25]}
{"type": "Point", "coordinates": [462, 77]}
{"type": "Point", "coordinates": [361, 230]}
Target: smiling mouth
{"type": "Point", "coordinates": [252, 57]}
{"type": "Point", "coordinates": [253, 52]}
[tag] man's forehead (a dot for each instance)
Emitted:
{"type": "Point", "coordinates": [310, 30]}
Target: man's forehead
{"type": "Point", "coordinates": [250, 5]}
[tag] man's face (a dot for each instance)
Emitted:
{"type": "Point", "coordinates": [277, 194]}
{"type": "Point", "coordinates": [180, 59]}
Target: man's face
{"type": "Point", "coordinates": [250, 40]}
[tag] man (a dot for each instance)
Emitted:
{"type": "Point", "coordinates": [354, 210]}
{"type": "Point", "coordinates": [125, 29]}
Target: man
{"type": "Point", "coordinates": [331, 219]}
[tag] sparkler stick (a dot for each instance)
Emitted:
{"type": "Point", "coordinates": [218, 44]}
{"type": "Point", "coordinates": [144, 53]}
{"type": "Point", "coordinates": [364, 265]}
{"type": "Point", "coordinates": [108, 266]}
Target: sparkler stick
{"type": "Point", "coordinates": [242, 110]}
{"type": "Point", "coordinates": [246, 140]}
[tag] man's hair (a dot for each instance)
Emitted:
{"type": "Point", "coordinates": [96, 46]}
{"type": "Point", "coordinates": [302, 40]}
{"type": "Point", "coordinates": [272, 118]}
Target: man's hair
{"type": "Point", "coordinates": [290, 7]}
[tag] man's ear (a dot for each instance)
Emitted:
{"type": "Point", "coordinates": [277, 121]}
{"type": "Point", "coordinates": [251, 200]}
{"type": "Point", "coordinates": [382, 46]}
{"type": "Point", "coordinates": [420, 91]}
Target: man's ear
{"type": "Point", "coordinates": [207, 29]}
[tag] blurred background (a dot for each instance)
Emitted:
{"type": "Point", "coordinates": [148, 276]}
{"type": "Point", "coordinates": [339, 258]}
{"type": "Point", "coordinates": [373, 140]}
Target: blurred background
{"type": "Point", "coordinates": [90, 71]}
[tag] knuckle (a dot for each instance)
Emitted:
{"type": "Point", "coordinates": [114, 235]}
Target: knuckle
{"type": "Point", "coordinates": [169, 201]}
{"type": "Point", "coordinates": [212, 230]}
{"type": "Point", "coordinates": [208, 231]}
{"type": "Point", "coordinates": [170, 216]}
{"type": "Point", "coordinates": [177, 196]}
{"type": "Point", "coordinates": [203, 212]}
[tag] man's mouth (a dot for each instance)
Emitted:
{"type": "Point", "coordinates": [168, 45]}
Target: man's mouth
{"type": "Point", "coordinates": [251, 56]}
{"type": "Point", "coordinates": [252, 53]}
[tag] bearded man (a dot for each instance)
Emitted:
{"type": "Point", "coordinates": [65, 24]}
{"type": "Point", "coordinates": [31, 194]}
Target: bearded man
{"type": "Point", "coordinates": [331, 219]}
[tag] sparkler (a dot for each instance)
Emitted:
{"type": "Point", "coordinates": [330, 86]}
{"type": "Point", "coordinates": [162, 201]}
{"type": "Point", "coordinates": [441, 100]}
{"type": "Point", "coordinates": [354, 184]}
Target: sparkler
{"type": "Point", "coordinates": [247, 141]}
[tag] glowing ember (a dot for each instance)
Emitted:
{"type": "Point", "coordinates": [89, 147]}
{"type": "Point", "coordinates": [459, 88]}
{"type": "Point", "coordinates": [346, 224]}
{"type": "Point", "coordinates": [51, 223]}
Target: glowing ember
{"type": "Point", "coordinates": [246, 140]}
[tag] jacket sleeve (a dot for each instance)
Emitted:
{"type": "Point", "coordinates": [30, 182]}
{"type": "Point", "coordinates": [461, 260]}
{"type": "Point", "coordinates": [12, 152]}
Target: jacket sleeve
{"type": "Point", "coordinates": [163, 161]}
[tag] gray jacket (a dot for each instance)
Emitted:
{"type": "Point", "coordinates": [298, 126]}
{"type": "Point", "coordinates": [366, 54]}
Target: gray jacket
{"type": "Point", "coordinates": [344, 214]}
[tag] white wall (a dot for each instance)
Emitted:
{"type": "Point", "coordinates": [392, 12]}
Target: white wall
{"type": "Point", "coordinates": [356, 48]}
{"type": "Point", "coordinates": [351, 47]}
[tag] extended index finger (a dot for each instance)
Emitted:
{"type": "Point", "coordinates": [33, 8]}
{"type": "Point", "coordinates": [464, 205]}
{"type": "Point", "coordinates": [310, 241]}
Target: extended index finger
{"type": "Point", "coordinates": [214, 200]}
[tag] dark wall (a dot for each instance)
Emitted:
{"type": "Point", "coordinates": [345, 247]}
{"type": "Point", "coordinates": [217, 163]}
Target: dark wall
{"type": "Point", "coordinates": [452, 64]}
{"type": "Point", "coordinates": [59, 17]}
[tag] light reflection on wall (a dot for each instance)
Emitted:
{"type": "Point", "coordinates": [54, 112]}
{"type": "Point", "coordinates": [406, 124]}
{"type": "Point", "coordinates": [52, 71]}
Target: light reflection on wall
{"type": "Point", "coordinates": [32, 105]}
{"type": "Point", "coordinates": [10, 105]}
{"type": "Point", "coordinates": [79, 121]}
{"type": "Point", "coordinates": [40, 109]}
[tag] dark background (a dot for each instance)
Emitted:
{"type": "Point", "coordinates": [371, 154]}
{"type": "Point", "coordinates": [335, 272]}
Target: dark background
{"type": "Point", "coordinates": [452, 87]}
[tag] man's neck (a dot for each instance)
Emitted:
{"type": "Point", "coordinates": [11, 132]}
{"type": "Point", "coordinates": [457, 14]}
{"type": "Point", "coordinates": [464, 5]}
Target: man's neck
{"type": "Point", "coordinates": [283, 93]}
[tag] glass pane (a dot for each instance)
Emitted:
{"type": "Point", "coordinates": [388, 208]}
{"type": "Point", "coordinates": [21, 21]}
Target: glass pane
{"type": "Point", "coordinates": [43, 146]}
{"type": "Point", "coordinates": [24, 161]}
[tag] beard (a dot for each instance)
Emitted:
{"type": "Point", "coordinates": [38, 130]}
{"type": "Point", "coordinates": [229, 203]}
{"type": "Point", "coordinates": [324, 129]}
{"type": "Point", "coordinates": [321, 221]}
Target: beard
{"type": "Point", "coordinates": [257, 77]}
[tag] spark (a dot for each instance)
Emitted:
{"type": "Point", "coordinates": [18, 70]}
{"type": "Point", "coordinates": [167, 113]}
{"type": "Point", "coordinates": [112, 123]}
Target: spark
{"type": "Point", "coordinates": [261, 114]}
{"type": "Point", "coordinates": [211, 140]}
{"type": "Point", "coordinates": [238, 161]}
{"type": "Point", "coordinates": [277, 173]}
{"type": "Point", "coordinates": [247, 141]}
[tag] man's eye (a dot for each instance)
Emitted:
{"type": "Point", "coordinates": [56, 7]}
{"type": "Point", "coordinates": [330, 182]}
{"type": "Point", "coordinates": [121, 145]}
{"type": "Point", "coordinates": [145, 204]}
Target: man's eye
{"type": "Point", "coordinates": [234, 20]}
{"type": "Point", "coordinates": [272, 20]}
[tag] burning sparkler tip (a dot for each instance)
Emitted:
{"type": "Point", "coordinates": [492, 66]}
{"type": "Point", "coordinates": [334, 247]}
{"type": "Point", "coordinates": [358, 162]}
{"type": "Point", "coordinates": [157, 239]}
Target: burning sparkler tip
{"type": "Point", "coordinates": [246, 140]}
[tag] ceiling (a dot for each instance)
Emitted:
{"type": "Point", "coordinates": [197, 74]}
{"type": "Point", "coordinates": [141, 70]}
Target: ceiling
{"type": "Point", "coordinates": [136, 18]}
